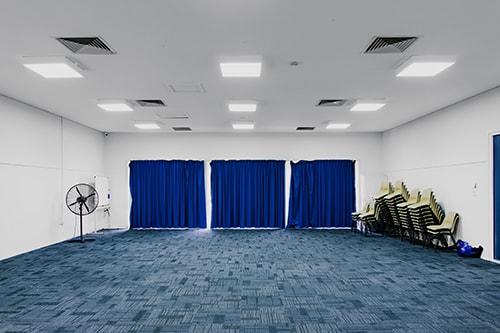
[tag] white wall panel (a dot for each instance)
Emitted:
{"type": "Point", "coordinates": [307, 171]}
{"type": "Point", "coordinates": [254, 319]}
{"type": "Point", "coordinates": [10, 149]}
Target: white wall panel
{"type": "Point", "coordinates": [449, 151]}
{"type": "Point", "coordinates": [41, 156]}
{"type": "Point", "coordinates": [122, 148]}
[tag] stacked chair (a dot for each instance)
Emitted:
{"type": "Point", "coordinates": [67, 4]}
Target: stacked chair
{"type": "Point", "coordinates": [400, 195]}
{"type": "Point", "coordinates": [406, 226]}
{"type": "Point", "coordinates": [378, 212]}
{"type": "Point", "coordinates": [414, 215]}
{"type": "Point", "coordinates": [355, 216]}
{"type": "Point", "coordinates": [443, 230]}
{"type": "Point", "coordinates": [423, 214]}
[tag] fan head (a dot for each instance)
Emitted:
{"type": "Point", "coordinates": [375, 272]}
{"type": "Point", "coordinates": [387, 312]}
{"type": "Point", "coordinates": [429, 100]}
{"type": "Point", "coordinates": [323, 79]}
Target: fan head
{"type": "Point", "coordinates": [82, 199]}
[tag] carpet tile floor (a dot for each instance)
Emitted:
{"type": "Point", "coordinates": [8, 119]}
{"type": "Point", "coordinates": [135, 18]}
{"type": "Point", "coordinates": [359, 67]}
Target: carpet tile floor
{"type": "Point", "coordinates": [247, 281]}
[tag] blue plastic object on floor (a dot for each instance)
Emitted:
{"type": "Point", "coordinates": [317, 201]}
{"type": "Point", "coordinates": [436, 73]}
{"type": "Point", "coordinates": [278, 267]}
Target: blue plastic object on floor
{"type": "Point", "coordinates": [464, 249]}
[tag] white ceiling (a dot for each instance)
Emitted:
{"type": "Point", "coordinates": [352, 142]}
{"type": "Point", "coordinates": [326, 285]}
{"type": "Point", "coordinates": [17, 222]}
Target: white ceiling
{"type": "Point", "coordinates": [160, 42]}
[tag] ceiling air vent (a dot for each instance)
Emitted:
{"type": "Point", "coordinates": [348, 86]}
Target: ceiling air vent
{"type": "Point", "coordinates": [173, 116]}
{"type": "Point", "coordinates": [150, 103]}
{"type": "Point", "coordinates": [331, 102]}
{"type": "Point", "coordinates": [187, 88]}
{"type": "Point", "coordinates": [182, 129]}
{"type": "Point", "coordinates": [86, 45]}
{"type": "Point", "coordinates": [305, 128]}
{"type": "Point", "coordinates": [383, 45]}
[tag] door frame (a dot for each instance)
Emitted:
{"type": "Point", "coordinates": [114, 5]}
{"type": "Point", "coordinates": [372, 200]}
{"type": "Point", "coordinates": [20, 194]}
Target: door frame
{"type": "Point", "coordinates": [491, 147]}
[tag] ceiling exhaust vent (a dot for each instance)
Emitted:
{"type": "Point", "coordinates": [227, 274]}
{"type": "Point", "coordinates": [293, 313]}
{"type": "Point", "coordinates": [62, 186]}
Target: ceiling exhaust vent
{"type": "Point", "coordinates": [86, 45]}
{"type": "Point", "coordinates": [187, 88]}
{"type": "Point", "coordinates": [305, 128]}
{"type": "Point", "coordinates": [331, 102]}
{"type": "Point", "coordinates": [150, 103]}
{"type": "Point", "coordinates": [182, 129]}
{"type": "Point", "coordinates": [384, 45]}
{"type": "Point", "coordinates": [174, 116]}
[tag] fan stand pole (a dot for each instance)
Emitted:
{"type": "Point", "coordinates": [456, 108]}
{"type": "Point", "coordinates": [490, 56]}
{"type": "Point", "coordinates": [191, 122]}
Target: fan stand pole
{"type": "Point", "coordinates": [81, 225]}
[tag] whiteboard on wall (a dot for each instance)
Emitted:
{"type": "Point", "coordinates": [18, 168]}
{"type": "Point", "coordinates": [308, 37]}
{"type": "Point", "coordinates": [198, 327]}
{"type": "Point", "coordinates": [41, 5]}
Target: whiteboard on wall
{"type": "Point", "coordinates": [101, 185]}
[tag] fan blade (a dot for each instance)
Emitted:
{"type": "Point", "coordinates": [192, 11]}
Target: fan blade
{"type": "Point", "coordinates": [90, 195]}
{"type": "Point", "coordinates": [74, 203]}
{"type": "Point", "coordinates": [88, 210]}
{"type": "Point", "coordinates": [80, 193]}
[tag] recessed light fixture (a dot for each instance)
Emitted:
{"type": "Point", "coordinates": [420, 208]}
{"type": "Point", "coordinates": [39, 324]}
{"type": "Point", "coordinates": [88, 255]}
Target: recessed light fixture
{"type": "Point", "coordinates": [146, 125]}
{"type": "Point", "coordinates": [241, 69]}
{"type": "Point", "coordinates": [368, 105]}
{"type": "Point", "coordinates": [115, 105]}
{"type": "Point", "coordinates": [425, 66]}
{"type": "Point", "coordinates": [243, 126]}
{"type": "Point", "coordinates": [242, 106]}
{"type": "Point", "coordinates": [53, 67]}
{"type": "Point", "coordinates": [338, 125]}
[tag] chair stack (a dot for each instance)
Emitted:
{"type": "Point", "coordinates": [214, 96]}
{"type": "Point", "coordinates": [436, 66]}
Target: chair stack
{"type": "Point", "coordinates": [399, 195]}
{"type": "Point", "coordinates": [382, 214]}
{"type": "Point", "coordinates": [374, 219]}
{"type": "Point", "coordinates": [356, 216]}
{"type": "Point", "coordinates": [368, 221]}
{"type": "Point", "coordinates": [425, 213]}
{"type": "Point", "coordinates": [406, 226]}
{"type": "Point", "coordinates": [440, 232]}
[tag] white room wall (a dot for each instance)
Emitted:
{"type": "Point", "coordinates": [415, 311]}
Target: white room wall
{"type": "Point", "coordinates": [449, 151]}
{"type": "Point", "coordinates": [120, 148]}
{"type": "Point", "coordinates": [41, 156]}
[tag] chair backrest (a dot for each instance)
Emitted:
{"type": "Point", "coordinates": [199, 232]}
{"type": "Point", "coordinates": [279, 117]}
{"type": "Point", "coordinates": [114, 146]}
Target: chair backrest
{"type": "Point", "coordinates": [371, 207]}
{"type": "Point", "coordinates": [385, 188]}
{"type": "Point", "coordinates": [450, 221]}
{"type": "Point", "coordinates": [426, 196]}
{"type": "Point", "coordinates": [414, 196]}
{"type": "Point", "coordinates": [400, 188]}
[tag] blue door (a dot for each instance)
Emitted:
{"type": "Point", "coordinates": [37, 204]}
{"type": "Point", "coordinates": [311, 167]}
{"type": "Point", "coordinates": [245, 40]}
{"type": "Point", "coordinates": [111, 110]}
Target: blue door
{"type": "Point", "coordinates": [496, 195]}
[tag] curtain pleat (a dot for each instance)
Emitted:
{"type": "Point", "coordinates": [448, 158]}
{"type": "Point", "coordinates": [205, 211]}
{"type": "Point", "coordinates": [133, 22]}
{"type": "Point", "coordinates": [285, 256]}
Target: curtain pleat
{"type": "Point", "coordinates": [167, 194]}
{"type": "Point", "coordinates": [248, 194]}
{"type": "Point", "coordinates": [322, 194]}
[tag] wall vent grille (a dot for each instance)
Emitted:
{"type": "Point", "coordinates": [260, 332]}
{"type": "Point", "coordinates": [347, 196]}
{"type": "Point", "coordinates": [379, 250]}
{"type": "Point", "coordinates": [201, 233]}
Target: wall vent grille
{"type": "Point", "coordinates": [182, 129]}
{"type": "Point", "coordinates": [86, 45]}
{"type": "Point", "coordinates": [331, 102]}
{"type": "Point", "coordinates": [148, 103]}
{"type": "Point", "coordinates": [385, 45]}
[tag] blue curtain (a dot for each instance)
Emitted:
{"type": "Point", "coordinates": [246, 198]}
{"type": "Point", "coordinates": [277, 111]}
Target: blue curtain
{"type": "Point", "coordinates": [248, 194]}
{"type": "Point", "coordinates": [167, 194]}
{"type": "Point", "coordinates": [496, 196]}
{"type": "Point", "coordinates": [322, 194]}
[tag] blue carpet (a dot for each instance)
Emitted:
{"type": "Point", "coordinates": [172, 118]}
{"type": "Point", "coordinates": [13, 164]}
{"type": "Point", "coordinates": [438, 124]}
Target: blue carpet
{"type": "Point", "coordinates": [247, 281]}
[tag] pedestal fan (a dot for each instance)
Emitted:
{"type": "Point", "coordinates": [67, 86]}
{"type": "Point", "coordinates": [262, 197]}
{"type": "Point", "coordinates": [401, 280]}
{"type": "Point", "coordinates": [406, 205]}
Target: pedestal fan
{"type": "Point", "coordinates": [81, 200]}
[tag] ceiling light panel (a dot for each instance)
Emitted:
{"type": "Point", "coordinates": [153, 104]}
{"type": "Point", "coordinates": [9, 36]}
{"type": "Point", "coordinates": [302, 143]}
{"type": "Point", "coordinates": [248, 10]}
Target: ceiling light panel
{"type": "Point", "coordinates": [368, 105]}
{"type": "Point", "coordinates": [53, 67]}
{"type": "Point", "coordinates": [115, 105]}
{"type": "Point", "coordinates": [147, 125]}
{"type": "Point", "coordinates": [424, 66]}
{"type": "Point", "coordinates": [242, 106]}
{"type": "Point", "coordinates": [243, 126]}
{"type": "Point", "coordinates": [241, 68]}
{"type": "Point", "coordinates": [334, 126]}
